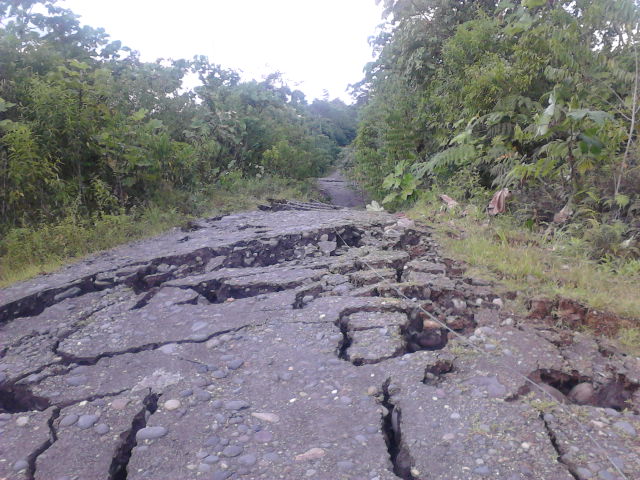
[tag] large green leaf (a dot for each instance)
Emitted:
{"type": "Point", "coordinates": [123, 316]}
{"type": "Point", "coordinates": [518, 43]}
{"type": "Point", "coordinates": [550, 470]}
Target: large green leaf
{"type": "Point", "coordinates": [389, 198]}
{"type": "Point", "coordinates": [4, 105]}
{"type": "Point", "coordinates": [590, 144]}
{"type": "Point", "coordinates": [598, 116]}
{"type": "Point", "coordinates": [534, 3]}
{"type": "Point", "coordinates": [139, 115]}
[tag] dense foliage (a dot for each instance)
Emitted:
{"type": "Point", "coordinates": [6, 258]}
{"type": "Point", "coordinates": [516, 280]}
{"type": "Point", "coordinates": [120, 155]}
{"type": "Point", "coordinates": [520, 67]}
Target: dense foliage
{"type": "Point", "coordinates": [87, 128]}
{"type": "Point", "coordinates": [540, 96]}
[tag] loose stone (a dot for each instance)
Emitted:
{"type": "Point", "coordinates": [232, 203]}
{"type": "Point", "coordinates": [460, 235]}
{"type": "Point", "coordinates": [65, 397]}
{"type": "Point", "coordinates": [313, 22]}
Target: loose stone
{"type": "Point", "coordinates": [271, 457]}
{"type": "Point", "coordinates": [221, 475]}
{"type": "Point", "coordinates": [235, 364]}
{"type": "Point", "coordinates": [119, 403]}
{"type": "Point", "coordinates": [247, 460]}
{"type": "Point", "coordinates": [87, 421]}
{"type": "Point", "coordinates": [236, 405]}
{"type": "Point", "coordinates": [151, 433]}
{"type": "Point", "coordinates": [584, 473]}
{"type": "Point", "coordinates": [345, 466]}
{"type": "Point", "coordinates": [102, 429]}
{"type": "Point", "coordinates": [22, 421]}
{"type": "Point", "coordinates": [212, 441]}
{"type": "Point", "coordinates": [267, 417]}
{"type": "Point", "coordinates": [172, 404]}
{"type": "Point", "coordinates": [311, 454]}
{"type": "Point", "coordinates": [625, 427]}
{"type": "Point", "coordinates": [203, 395]}
{"type": "Point", "coordinates": [69, 420]}
{"type": "Point", "coordinates": [482, 470]}
{"type": "Point", "coordinates": [20, 465]}
{"type": "Point", "coordinates": [232, 451]}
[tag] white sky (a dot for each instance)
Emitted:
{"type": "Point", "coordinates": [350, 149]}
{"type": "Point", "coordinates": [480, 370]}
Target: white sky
{"type": "Point", "coordinates": [316, 44]}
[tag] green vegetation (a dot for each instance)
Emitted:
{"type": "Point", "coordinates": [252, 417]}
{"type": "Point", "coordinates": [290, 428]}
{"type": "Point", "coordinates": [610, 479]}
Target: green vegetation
{"type": "Point", "coordinates": [522, 260]}
{"type": "Point", "coordinates": [540, 96]}
{"type": "Point", "coordinates": [98, 147]}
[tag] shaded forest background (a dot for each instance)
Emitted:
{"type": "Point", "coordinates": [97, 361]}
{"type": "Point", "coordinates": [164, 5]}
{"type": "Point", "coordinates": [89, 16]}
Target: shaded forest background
{"type": "Point", "coordinates": [88, 128]}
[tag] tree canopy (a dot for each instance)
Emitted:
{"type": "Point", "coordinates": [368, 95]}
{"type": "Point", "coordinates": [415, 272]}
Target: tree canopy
{"type": "Point", "coordinates": [537, 95]}
{"type": "Point", "coordinates": [87, 127]}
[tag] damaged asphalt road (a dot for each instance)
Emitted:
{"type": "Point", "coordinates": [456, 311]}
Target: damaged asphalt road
{"type": "Point", "coordinates": [292, 343]}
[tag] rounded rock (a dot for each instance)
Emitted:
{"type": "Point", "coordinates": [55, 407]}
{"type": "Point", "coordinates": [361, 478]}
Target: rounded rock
{"type": "Point", "coordinates": [203, 395]}
{"type": "Point", "coordinates": [582, 393]}
{"type": "Point", "coordinates": [20, 465]}
{"type": "Point", "coordinates": [22, 421]}
{"type": "Point", "coordinates": [311, 454]}
{"type": "Point", "coordinates": [236, 405]}
{"type": "Point", "coordinates": [120, 403]}
{"type": "Point", "coordinates": [266, 416]}
{"type": "Point", "coordinates": [584, 473]}
{"type": "Point", "coordinates": [482, 470]}
{"type": "Point", "coordinates": [625, 427]}
{"type": "Point", "coordinates": [172, 404]}
{"type": "Point", "coordinates": [151, 433]}
{"type": "Point", "coordinates": [345, 466]}
{"type": "Point", "coordinates": [263, 436]}
{"type": "Point", "coordinates": [69, 420]}
{"type": "Point", "coordinates": [212, 441]}
{"type": "Point", "coordinates": [271, 457]}
{"type": "Point", "coordinates": [235, 364]}
{"type": "Point", "coordinates": [232, 451]}
{"type": "Point", "coordinates": [247, 460]}
{"type": "Point", "coordinates": [87, 421]}
{"type": "Point", "coordinates": [221, 475]}
{"type": "Point", "coordinates": [101, 429]}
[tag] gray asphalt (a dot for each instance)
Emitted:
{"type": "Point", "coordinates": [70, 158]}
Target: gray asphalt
{"type": "Point", "coordinates": [262, 345]}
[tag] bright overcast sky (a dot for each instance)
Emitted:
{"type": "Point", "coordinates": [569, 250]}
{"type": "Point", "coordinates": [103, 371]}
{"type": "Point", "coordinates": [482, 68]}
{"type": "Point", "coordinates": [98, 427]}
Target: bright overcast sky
{"type": "Point", "coordinates": [316, 44]}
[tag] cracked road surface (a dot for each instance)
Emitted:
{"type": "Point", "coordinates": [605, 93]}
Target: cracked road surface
{"type": "Point", "coordinates": [262, 345]}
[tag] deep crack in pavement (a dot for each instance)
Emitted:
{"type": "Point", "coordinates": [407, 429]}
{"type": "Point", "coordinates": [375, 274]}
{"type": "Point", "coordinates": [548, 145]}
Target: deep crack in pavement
{"type": "Point", "coordinates": [292, 342]}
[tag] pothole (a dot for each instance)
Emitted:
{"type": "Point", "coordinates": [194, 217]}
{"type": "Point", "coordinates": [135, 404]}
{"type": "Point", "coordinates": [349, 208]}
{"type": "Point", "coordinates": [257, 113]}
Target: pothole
{"type": "Point", "coordinates": [434, 374]}
{"type": "Point", "coordinates": [217, 291]}
{"type": "Point", "coordinates": [18, 399]}
{"type": "Point", "coordinates": [373, 337]}
{"type": "Point", "coordinates": [617, 393]}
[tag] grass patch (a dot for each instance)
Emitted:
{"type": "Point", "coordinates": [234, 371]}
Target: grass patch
{"type": "Point", "coordinates": [532, 263]}
{"type": "Point", "coordinates": [28, 252]}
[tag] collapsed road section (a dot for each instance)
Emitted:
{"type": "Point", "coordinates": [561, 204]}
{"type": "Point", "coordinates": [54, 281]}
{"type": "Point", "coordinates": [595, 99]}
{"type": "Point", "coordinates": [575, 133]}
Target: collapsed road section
{"type": "Point", "coordinates": [299, 342]}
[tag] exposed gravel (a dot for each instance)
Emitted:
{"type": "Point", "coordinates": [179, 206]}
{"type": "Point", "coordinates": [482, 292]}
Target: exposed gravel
{"type": "Point", "coordinates": [260, 346]}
